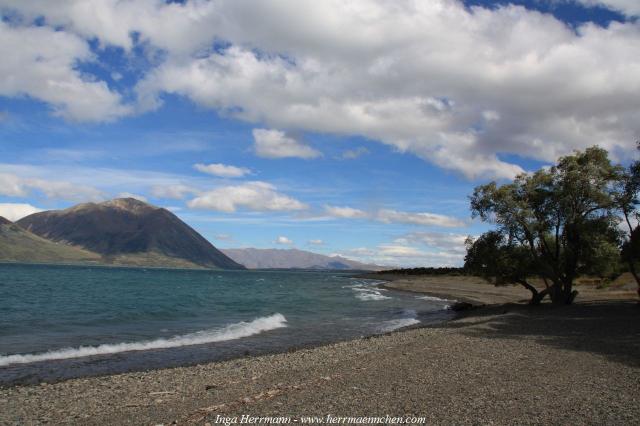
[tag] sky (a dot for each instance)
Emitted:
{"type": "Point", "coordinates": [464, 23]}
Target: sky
{"type": "Point", "coordinates": [355, 128]}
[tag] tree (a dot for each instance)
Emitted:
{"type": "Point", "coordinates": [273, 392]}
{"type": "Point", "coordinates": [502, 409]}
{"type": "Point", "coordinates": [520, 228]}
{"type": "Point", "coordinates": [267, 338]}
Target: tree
{"type": "Point", "coordinates": [564, 217]}
{"type": "Point", "coordinates": [502, 262]}
{"type": "Point", "coordinates": [628, 200]}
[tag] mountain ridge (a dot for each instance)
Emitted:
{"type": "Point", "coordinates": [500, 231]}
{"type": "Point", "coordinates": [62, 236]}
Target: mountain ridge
{"type": "Point", "coordinates": [254, 258]}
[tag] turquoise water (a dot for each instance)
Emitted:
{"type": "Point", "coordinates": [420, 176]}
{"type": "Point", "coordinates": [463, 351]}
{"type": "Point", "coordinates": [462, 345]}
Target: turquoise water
{"type": "Point", "coordinates": [67, 321]}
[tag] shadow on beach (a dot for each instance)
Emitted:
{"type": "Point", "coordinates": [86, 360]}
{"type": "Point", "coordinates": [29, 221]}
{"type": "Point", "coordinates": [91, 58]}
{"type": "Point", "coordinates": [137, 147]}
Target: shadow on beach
{"type": "Point", "coordinates": [607, 328]}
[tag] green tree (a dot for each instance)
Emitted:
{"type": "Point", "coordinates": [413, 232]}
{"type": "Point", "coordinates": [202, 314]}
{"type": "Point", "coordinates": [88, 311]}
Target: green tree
{"type": "Point", "coordinates": [628, 201]}
{"type": "Point", "coordinates": [502, 262]}
{"type": "Point", "coordinates": [563, 216]}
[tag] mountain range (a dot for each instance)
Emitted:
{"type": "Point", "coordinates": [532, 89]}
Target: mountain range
{"type": "Point", "coordinates": [129, 232]}
{"type": "Point", "coordinates": [292, 259]}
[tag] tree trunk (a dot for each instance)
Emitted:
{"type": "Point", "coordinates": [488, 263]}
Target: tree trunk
{"type": "Point", "coordinates": [634, 272]}
{"type": "Point", "coordinates": [556, 294]}
{"type": "Point", "coordinates": [536, 296]}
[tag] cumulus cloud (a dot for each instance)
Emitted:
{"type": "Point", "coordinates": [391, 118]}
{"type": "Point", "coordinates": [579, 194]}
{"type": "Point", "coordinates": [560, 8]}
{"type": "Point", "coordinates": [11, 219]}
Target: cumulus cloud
{"type": "Point", "coordinates": [44, 68]}
{"type": "Point", "coordinates": [461, 87]}
{"type": "Point", "coordinates": [456, 86]}
{"type": "Point", "coordinates": [222, 170]}
{"type": "Point", "coordinates": [276, 144]}
{"type": "Point", "coordinates": [254, 196]}
{"type": "Point", "coordinates": [316, 242]}
{"type": "Point", "coordinates": [283, 241]}
{"type": "Point", "coordinates": [16, 211]}
{"type": "Point", "coordinates": [394, 216]}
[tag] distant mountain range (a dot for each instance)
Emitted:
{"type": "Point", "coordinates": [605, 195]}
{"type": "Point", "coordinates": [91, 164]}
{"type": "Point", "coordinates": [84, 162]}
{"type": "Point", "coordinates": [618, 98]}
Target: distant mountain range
{"type": "Point", "coordinates": [293, 259]}
{"type": "Point", "coordinates": [129, 232]}
{"type": "Point", "coordinates": [123, 231]}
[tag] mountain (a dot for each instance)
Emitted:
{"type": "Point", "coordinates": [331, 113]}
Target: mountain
{"type": "Point", "coordinates": [292, 258]}
{"type": "Point", "coordinates": [19, 245]}
{"type": "Point", "coordinates": [126, 231]}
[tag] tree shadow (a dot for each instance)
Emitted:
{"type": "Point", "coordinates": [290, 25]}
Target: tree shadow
{"type": "Point", "coordinates": [608, 328]}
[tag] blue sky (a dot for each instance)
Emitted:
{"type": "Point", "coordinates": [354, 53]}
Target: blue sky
{"type": "Point", "coordinates": [357, 130]}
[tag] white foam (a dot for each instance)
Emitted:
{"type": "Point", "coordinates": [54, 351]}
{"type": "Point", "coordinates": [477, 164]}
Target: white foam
{"type": "Point", "coordinates": [230, 332]}
{"type": "Point", "coordinates": [372, 295]}
{"type": "Point", "coordinates": [432, 298]}
{"type": "Point", "coordinates": [398, 323]}
{"type": "Point", "coordinates": [367, 293]}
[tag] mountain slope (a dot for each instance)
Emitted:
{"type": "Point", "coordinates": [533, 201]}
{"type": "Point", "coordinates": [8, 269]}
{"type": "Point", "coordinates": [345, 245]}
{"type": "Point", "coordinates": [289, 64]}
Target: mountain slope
{"type": "Point", "coordinates": [292, 258]}
{"type": "Point", "coordinates": [19, 245]}
{"type": "Point", "coordinates": [128, 231]}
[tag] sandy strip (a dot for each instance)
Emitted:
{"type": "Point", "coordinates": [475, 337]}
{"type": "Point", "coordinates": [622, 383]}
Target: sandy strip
{"type": "Point", "coordinates": [508, 364]}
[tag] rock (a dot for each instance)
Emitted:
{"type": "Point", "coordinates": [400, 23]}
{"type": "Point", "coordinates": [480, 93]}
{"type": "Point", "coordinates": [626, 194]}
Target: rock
{"type": "Point", "coordinates": [461, 306]}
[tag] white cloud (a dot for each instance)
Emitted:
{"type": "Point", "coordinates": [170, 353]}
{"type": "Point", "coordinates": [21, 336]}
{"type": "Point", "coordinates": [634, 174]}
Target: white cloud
{"type": "Point", "coordinates": [316, 242]}
{"type": "Point", "coordinates": [626, 7]}
{"type": "Point", "coordinates": [16, 211]}
{"type": "Point", "coordinates": [399, 255]}
{"type": "Point", "coordinates": [14, 185]}
{"type": "Point", "coordinates": [130, 195]}
{"type": "Point", "coordinates": [41, 63]}
{"type": "Point", "coordinates": [345, 212]}
{"type": "Point", "coordinates": [255, 196]}
{"type": "Point", "coordinates": [457, 86]}
{"type": "Point", "coordinates": [453, 243]}
{"type": "Point", "coordinates": [283, 240]}
{"type": "Point", "coordinates": [424, 219]}
{"type": "Point", "coordinates": [172, 191]}
{"type": "Point", "coordinates": [352, 154]}
{"type": "Point", "coordinates": [276, 144]}
{"type": "Point", "coordinates": [394, 216]}
{"type": "Point", "coordinates": [222, 170]}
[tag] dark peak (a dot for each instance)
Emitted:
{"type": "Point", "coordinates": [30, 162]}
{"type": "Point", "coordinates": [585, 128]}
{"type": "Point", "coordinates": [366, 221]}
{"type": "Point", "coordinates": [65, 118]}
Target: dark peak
{"type": "Point", "coordinates": [4, 221]}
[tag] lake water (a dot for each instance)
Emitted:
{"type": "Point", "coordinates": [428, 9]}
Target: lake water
{"type": "Point", "coordinates": [59, 322]}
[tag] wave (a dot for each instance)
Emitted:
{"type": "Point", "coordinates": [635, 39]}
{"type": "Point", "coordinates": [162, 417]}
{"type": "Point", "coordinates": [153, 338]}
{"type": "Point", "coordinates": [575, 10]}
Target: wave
{"type": "Point", "coordinates": [367, 293]}
{"type": "Point", "coordinates": [432, 298]}
{"type": "Point", "coordinates": [398, 323]}
{"type": "Point", "coordinates": [230, 332]}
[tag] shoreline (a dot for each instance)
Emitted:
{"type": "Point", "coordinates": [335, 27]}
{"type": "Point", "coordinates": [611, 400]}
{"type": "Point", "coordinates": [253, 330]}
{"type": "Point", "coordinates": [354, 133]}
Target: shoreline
{"type": "Point", "coordinates": [467, 370]}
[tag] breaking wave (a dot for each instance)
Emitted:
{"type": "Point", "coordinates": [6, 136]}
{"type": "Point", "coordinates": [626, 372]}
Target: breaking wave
{"type": "Point", "coordinates": [230, 332]}
{"type": "Point", "coordinates": [398, 323]}
{"type": "Point", "coordinates": [433, 298]}
{"type": "Point", "coordinates": [368, 293]}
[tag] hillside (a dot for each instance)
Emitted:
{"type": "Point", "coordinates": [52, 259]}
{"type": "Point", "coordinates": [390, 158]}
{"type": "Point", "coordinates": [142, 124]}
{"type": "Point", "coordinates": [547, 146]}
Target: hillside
{"type": "Point", "coordinates": [126, 231]}
{"type": "Point", "coordinates": [19, 245]}
{"type": "Point", "coordinates": [292, 258]}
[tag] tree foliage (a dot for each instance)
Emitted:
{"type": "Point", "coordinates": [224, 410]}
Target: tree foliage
{"type": "Point", "coordinates": [555, 224]}
{"type": "Point", "coordinates": [628, 201]}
